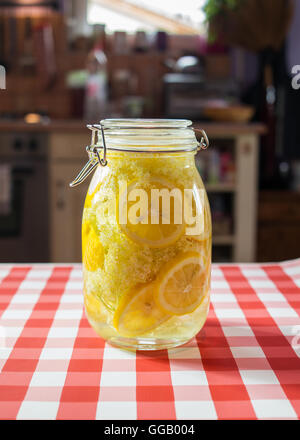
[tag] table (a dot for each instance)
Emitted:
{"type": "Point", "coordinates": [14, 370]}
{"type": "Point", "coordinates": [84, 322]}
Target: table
{"type": "Point", "coordinates": [244, 364]}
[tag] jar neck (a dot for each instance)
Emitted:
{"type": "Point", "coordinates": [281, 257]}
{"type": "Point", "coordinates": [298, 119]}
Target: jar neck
{"type": "Point", "coordinates": [160, 136]}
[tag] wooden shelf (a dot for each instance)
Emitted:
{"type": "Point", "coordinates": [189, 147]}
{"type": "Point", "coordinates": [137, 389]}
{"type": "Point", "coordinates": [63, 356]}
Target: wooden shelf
{"type": "Point", "coordinates": [244, 141]}
{"type": "Point", "coordinates": [229, 130]}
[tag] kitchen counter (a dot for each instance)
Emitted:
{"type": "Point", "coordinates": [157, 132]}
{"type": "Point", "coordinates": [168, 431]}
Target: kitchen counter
{"type": "Point", "coordinates": [244, 364]}
{"type": "Point", "coordinates": [65, 143]}
{"type": "Point", "coordinates": [212, 128]}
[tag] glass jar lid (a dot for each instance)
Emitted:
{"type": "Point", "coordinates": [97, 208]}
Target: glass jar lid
{"type": "Point", "coordinates": [145, 135]}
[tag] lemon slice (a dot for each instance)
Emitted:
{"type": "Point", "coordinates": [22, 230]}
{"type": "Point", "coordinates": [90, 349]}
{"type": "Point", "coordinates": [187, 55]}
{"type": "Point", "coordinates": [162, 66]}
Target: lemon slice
{"type": "Point", "coordinates": [92, 250]}
{"type": "Point", "coordinates": [145, 232]}
{"type": "Point", "coordinates": [182, 284]}
{"type": "Point", "coordinates": [138, 313]}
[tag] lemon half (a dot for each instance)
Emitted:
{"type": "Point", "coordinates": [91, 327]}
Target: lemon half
{"type": "Point", "coordinates": [138, 313]}
{"type": "Point", "coordinates": [182, 284]}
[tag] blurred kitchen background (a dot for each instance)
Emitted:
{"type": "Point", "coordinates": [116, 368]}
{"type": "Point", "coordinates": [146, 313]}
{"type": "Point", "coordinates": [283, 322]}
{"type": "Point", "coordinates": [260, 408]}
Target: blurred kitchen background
{"type": "Point", "coordinates": [226, 64]}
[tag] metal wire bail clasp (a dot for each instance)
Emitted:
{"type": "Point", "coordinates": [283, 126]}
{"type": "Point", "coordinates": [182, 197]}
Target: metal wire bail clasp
{"type": "Point", "coordinates": [204, 141]}
{"type": "Point", "coordinates": [94, 155]}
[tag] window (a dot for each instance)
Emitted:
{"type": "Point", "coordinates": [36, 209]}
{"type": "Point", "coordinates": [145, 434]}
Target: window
{"type": "Point", "coordinates": [185, 17]}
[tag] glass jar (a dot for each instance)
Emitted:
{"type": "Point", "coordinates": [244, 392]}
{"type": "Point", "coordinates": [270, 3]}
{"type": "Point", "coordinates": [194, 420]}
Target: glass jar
{"type": "Point", "coordinates": [146, 234]}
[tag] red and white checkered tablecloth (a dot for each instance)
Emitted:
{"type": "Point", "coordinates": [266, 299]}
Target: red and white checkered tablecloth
{"type": "Point", "coordinates": [244, 364]}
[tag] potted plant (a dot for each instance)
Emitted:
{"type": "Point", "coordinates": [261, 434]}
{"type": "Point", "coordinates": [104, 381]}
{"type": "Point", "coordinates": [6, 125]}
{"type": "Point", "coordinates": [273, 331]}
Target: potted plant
{"type": "Point", "coordinates": [251, 24]}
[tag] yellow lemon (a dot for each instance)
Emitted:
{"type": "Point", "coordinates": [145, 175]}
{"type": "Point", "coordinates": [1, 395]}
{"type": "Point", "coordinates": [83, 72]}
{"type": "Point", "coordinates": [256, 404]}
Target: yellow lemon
{"type": "Point", "coordinates": [138, 313]}
{"type": "Point", "coordinates": [86, 227]}
{"type": "Point", "coordinates": [92, 249]}
{"type": "Point", "coordinates": [182, 284]}
{"type": "Point", "coordinates": [146, 220]}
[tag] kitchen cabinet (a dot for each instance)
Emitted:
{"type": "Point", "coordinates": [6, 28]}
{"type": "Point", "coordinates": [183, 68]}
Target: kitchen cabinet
{"type": "Point", "coordinates": [67, 157]}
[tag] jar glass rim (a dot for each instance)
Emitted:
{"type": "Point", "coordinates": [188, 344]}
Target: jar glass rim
{"type": "Point", "coordinates": [143, 123]}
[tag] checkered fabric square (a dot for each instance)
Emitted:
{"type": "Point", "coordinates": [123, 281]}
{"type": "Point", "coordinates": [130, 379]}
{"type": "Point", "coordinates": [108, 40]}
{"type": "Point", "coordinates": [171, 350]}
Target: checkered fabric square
{"type": "Point", "coordinates": [244, 364]}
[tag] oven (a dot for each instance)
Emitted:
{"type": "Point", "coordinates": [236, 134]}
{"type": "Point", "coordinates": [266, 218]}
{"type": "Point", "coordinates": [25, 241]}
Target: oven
{"type": "Point", "coordinates": [24, 216]}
